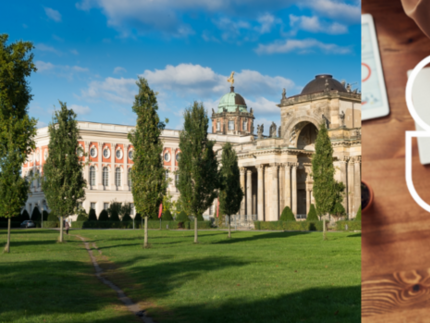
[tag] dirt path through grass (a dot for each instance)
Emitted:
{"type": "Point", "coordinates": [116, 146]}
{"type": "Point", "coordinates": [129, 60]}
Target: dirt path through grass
{"type": "Point", "coordinates": [132, 307]}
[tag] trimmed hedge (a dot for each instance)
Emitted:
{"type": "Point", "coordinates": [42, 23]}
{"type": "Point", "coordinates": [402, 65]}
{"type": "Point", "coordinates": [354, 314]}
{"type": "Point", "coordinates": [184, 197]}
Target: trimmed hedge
{"type": "Point", "coordinates": [287, 215]}
{"type": "Point", "coordinates": [312, 215]}
{"type": "Point", "coordinates": [13, 224]}
{"type": "Point", "coordinates": [352, 225]}
{"type": "Point", "coordinates": [289, 225]}
{"type": "Point", "coordinates": [129, 225]}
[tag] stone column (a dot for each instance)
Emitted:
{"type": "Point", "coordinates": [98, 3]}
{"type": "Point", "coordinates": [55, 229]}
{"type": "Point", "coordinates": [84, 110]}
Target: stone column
{"type": "Point", "coordinates": [100, 166]}
{"type": "Point", "coordinates": [351, 186]}
{"type": "Point", "coordinates": [294, 188]}
{"type": "Point", "coordinates": [308, 200]}
{"type": "Point", "coordinates": [248, 192]}
{"type": "Point", "coordinates": [357, 185]}
{"type": "Point", "coordinates": [87, 167]}
{"type": "Point", "coordinates": [275, 191]}
{"type": "Point", "coordinates": [287, 185]}
{"type": "Point", "coordinates": [343, 178]}
{"type": "Point", "coordinates": [242, 186]}
{"type": "Point", "coordinates": [260, 169]}
{"type": "Point", "coordinates": [112, 168]}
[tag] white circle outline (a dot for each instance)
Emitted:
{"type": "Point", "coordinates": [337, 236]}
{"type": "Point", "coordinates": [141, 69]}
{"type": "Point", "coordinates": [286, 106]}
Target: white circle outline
{"type": "Point", "coordinates": [95, 149]}
{"type": "Point", "coordinates": [120, 151]}
{"type": "Point", "coordinates": [164, 157]}
{"type": "Point", "coordinates": [408, 94]}
{"type": "Point", "coordinates": [108, 154]}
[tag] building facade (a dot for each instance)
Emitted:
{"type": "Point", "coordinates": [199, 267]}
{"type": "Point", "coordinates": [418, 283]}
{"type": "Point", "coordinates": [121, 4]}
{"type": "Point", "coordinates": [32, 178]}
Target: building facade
{"type": "Point", "coordinates": [274, 170]}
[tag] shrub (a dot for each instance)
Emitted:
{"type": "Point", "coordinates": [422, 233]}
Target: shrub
{"type": "Point", "coordinates": [126, 218]}
{"type": "Point", "coordinates": [114, 216]}
{"type": "Point", "coordinates": [352, 225]}
{"type": "Point", "coordinates": [289, 225]}
{"type": "Point", "coordinates": [200, 217]}
{"type": "Point", "coordinates": [182, 217]}
{"type": "Point", "coordinates": [287, 215]}
{"type": "Point", "coordinates": [358, 216]}
{"type": "Point", "coordinates": [52, 217]}
{"type": "Point", "coordinates": [167, 216]}
{"type": "Point", "coordinates": [92, 216]}
{"type": "Point", "coordinates": [312, 215]}
{"type": "Point", "coordinates": [103, 216]}
{"type": "Point", "coordinates": [45, 215]}
{"type": "Point", "coordinates": [137, 218]}
{"type": "Point", "coordinates": [36, 216]}
{"type": "Point", "coordinates": [82, 215]}
{"type": "Point", "coordinates": [24, 216]}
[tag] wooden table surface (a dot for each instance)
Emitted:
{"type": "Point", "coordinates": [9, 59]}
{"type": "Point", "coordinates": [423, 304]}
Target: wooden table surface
{"type": "Point", "coordinates": [396, 231]}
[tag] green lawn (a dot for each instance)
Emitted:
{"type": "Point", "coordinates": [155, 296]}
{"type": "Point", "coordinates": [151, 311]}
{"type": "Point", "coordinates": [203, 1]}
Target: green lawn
{"type": "Point", "coordinates": [254, 277]}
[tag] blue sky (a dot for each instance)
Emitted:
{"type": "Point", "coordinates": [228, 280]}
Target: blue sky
{"type": "Point", "coordinates": [89, 53]}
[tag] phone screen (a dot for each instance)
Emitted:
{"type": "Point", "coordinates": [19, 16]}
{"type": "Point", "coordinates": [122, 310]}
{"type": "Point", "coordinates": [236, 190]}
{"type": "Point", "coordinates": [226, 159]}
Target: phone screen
{"type": "Point", "coordinates": [371, 92]}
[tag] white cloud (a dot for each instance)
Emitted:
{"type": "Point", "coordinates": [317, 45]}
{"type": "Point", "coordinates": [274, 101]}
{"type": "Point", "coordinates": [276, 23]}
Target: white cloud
{"type": "Point", "coordinates": [119, 70]}
{"type": "Point", "coordinates": [313, 24]}
{"type": "Point", "coordinates": [41, 124]}
{"type": "Point", "coordinates": [45, 48]}
{"type": "Point", "coordinates": [348, 13]}
{"type": "Point", "coordinates": [59, 70]}
{"type": "Point", "coordinates": [79, 109]}
{"type": "Point", "coordinates": [301, 46]}
{"type": "Point", "coordinates": [267, 21]}
{"type": "Point", "coordinates": [121, 91]}
{"type": "Point", "coordinates": [53, 14]}
{"type": "Point", "coordinates": [74, 52]}
{"type": "Point", "coordinates": [44, 66]}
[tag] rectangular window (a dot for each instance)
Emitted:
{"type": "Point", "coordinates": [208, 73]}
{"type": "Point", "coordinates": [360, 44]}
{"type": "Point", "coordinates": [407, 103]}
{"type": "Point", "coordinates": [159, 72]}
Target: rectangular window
{"type": "Point", "coordinates": [218, 126]}
{"type": "Point", "coordinates": [93, 205]}
{"type": "Point", "coordinates": [105, 206]}
{"type": "Point", "coordinates": [231, 125]}
{"type": "Point", "coordinates": [245, 124]}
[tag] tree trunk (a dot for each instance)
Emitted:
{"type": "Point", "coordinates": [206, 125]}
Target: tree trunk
{"type": "Point", "coordinates": [145, 239]}
{"type": "Point", "coordinates": [195, 229]}
{"type": "Point", "coordinates": [7, 248]}
{"type": "Point", "coordinates": [61, 229]}
{"type": "Point", "coordinates": [229, 226]}
{"type": "Point", "coordinates": [324, 237]}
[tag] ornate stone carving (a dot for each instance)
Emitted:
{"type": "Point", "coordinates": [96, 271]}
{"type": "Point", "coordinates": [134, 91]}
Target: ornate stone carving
{"type": "Point", "coordinates": [280, 132]}
{"type": "Point", "coordinates": [231, 78]}
{"type": "Point", "coordinates": [293, 134]}
{"type": "Point", "coordinates": [327, 121]}
{"type": "Point", "coordinates": [348, 87]}
{"type": "Point", "coordinates": [326, 86]}
{"type": "Point", "coordinates": [272, 130]}
{"type": "Point", "coordinates": [260, 130]}
{"type": "Point", "coordinates": [342, 119]}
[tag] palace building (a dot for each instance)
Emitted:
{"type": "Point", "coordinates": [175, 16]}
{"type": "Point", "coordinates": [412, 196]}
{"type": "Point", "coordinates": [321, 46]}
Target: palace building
{"type": "Point", "coordinates": [274, 170]}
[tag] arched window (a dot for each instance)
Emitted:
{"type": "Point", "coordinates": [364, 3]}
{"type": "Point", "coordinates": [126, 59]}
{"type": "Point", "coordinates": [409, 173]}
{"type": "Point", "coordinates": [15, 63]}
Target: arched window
{"type": "Point", "coordinates": [129, 178]}
{"type": "Point", "coordinates": [105, 177]}
{"type": "Point", "coordinates": [92, 176]}
{"type": "Point", "coordinates": [117, 177]}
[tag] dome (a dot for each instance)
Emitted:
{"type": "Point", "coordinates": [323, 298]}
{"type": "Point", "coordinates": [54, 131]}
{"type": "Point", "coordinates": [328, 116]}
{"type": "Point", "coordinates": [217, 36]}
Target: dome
{"type": "Point", "coordinates": [231, 101]}
{"type": "Point", "coordinates": [318, 84]}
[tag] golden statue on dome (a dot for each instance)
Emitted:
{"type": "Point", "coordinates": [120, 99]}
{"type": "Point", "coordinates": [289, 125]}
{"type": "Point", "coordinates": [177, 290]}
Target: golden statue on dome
{"type": "Point", "coordinates": [231, 78]}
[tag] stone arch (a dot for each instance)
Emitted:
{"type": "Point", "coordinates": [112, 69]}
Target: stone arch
{"type": "Point", "coordinates": [294, 128]}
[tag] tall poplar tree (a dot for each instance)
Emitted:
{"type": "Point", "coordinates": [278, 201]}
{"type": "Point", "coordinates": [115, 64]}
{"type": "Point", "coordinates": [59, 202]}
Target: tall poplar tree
{"type": "Point", "coordinates": [63, 182]}
{"type": "Point", "coordinates": [231, 194]}
{"type": "Point", "coordinates": [17, 129]}
{"type": "Point", "coordinates": [324, 189]}
{"type": "Point", "coordinates": [198, 166]}
{"type": "Point", "coordinates": [147, 173]}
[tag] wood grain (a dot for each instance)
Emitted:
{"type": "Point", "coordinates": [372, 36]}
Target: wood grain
{"type": "Point", "coordinates": [396, 231]}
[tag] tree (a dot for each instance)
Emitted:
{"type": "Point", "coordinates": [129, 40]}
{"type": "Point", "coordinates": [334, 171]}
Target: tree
{"type": "Point", "coordinates": [167, 216]}
{"type": "Point", "coordinates": [338, 210]}
{"type": "Point", "coordinates": [63, 183]}
{"type": "Point", "coordinates": [45, 215]}
{"type": "Point", "coordinates": [231, 194]}
{"type": "Point", "coordinates": [103, 216]}
{"type": "Point", "coordinates": [323, 173]}
{"type": "Point", "coordinates": [287, 215]}
{"type": "Point", "coordinates": [147, 173]}
{"type": "Point", "coordinates": [358, 216]}
{"type": "Point", "coordinates": [24, 216]}
{"type": "Point", "coordinates": [114, 210]}
{"type": "Point", "coordinates": [92, 215]}
{"type": "Point", "coordinates": [52, 217]}
{"type": "Point", "coordinates": [36, 216]}
{"type": "Point", "coordinates": [82, 215]}
{"type": "Point", "coordinates": [198, 166]}
{"type": "Point", "coordinates": [17, 129]}
{"type": "Point", "coordinates": [126, 218]}
{"type": "Point", "coordinates": [312, 215]}
{"type": "Point", "coordinates": [125, 211]}
{"type": "Point", "coordinates": [182, 217]}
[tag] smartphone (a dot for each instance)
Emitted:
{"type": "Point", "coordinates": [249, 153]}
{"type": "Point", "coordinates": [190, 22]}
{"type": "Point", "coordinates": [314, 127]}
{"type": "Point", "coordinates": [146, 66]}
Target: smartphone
{"type": "Point", "coordinates": [374, 101]}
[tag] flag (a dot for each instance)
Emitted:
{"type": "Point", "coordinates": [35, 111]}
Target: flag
{"type": "Point", "coordinates": [160, 211]}
{"type": "Point", "coordinates": [217, 209]}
